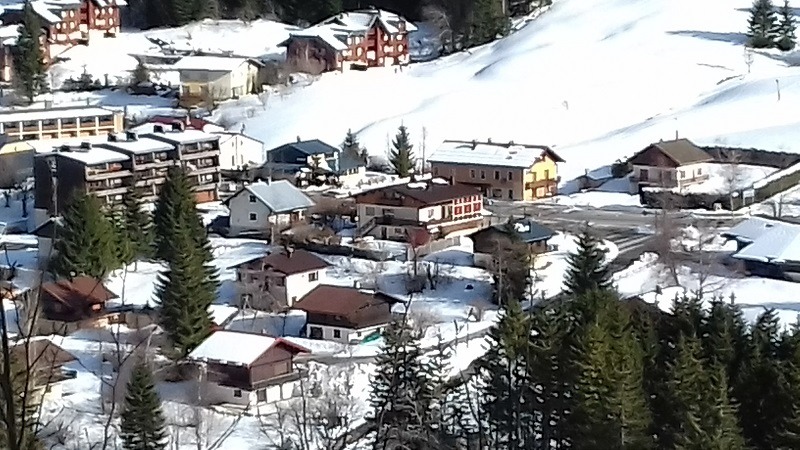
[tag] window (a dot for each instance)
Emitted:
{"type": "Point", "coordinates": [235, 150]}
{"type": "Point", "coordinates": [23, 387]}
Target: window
{"type": "Point", "coordinates": [683, 174]}
{"type": "Point", "coordinates": [510, 176]}
{"type": "Point", "coordinates": [457, 211]}
{"type": "Point", "coordinates": [261, 395]}
{"type": "Point", "coordinates": [337, 334]}
{"type": "Point", "coordinates": [467, 209]}
{"type": "Point", "coordinates": [280, 282]}
{"type": "Point", "coordinates": [388, 212]}
{"type": "Point", "coordinates": [398, 230]}
{"type": "Point", "coordinates": [436, 171]}
{"type": "Point", "coordinates": [511, 194]}
{"type": "Point", "coordinates": [253, 217]}
{"type": "Point", "coordinates": [496, 174]}
{"type": "Point", "coordinates": [315, 332]}
{"type": "Point", "coordinates": [483, 174]}
{"type": "Point", "coordinates": [237, 393]}
{"type": "Point", "coordinates": [369, 211]}
{"type": "Point", "coordinates": [252, 198]}
{"type": "Point", "coordinates": [644, 174]}
{"type": "Point", "coordinates": [546, 174]}
{"type": "Point", "coordinates": [313, 276]}
{"type": "Point", "coordinates": [497, 193]}
{"type": "Point", "coordinates": [472, 173]}
{"type": "Point", "coordinates": [430, 213]}
{"type": "Point", "coordinates": [699, 171]}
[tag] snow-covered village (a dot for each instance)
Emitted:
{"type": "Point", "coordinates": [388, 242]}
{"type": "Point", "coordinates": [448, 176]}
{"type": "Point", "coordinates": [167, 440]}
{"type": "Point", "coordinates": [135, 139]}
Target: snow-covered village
{"type": "Point", "coordinates": [399, 225]}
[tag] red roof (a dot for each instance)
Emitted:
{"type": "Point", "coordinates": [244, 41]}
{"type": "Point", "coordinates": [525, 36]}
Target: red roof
{"type": "Point", "coordinates": [190, 122]}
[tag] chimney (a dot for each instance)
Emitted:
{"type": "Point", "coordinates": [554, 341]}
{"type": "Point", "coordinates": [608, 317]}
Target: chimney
{"type": "Point", "coordinates": [131, 136]}
{"type": "Point", "coordinates": [298, 138]}
{"type": "Point", "coordinates": [85, 145]}
{"type": "Point", "coordinates": [112, 137]}
{"type": "Point", "coordinates": [474, 144]}
{"type": "Point", "coordinates": [489, 140]}
{"type": "Point", "coordinates": [177, 126]}
{"type": "Point", "coordinates": [158, 128]}
{"type": "Point", "coordinates": [510, 143]}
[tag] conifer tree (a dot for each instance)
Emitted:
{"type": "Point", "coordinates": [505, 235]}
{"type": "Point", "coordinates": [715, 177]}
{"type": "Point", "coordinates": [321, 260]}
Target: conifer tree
{"type": "Point", "coordinates": [29, 64]}
{"type": "Point", "coordinates": [610, 407]}
{"type": "Point", "coordinates": [401, 158]}
{"type": "Point", "coordinates": [761, 31]}
{"type": "Point", "coordinates": [401, 395]}
{"type": "Point", "coordinates": [352, 146]}
{"type": "Point", "coordinates": [587, 268]}
{"type": "Point", "coordinates": [786, 28]}
{"type": "Point", "coordinates": [504, 371]}
{"type": "Point", "coordinates": [176, 211]}
{"type": "Point", "coordinates": [488, 22]}
{"type": "Point", "coordinates": [137, 224]}
{"type": "Point", "coordinates": [788, 431]}
{"type": "Point", "coordinates": [85, 244]}
{"type": "Point", "coordinates": [123, 245]}
{"type": "Point", "coordinates": [142, 424]}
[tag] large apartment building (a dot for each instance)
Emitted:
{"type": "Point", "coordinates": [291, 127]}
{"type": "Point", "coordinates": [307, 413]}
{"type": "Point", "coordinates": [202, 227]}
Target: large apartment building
{"type": "Point", "coordinates": [500, 170]}
{"type": "Point", "coordinates": [59, 123]}
{"type": "Point", "coordinates": [126, 161]}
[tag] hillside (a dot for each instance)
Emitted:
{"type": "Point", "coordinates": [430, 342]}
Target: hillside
{"type": "Point", "coordinates": [596, 79]}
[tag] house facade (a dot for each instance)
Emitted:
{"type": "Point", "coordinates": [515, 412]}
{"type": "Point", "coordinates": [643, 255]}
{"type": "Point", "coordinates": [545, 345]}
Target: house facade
{"type": "Point", "coordinates": [237, 151]}
{"type": "Point", "coordinates": [669, 164]}
{"type": "Point", "coordinates": [487, 241]}
{"type": "Point", "coordinates": [345, 314]}
{"type": "Point", "coordinates": [435, 207]}
{"type": "Point", "coordinates": [279, 279]}
{"type": "Point", "coordinates": [314, 162]}
{"type": "Point", "coordinates": [59, 123]}
{"type": "Point", "coordinates": [74, 300]}
{"type": "Point", "coordinates": [506, 171]}
{"type": "Point", "coordinates": [246, 369]}
{"type": "Point", "coordinates": [266, 207]}
{"type": "Point", "coordinates": [355, 39]}
{"type": "Point", "coordinates": [206, 80]}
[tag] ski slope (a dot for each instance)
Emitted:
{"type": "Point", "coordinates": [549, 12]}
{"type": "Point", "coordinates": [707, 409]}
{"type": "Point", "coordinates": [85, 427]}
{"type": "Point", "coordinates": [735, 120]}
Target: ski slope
{"type": "Point", "coordinates": [595, 79]}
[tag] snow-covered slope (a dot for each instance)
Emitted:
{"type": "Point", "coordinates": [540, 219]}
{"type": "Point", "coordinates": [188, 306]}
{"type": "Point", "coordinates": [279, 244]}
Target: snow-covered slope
{"type": "Point", "coordinates": [596, 79]}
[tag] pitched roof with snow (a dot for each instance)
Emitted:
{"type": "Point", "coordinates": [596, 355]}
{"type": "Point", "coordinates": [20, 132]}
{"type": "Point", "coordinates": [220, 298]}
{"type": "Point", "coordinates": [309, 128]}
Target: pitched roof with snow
{"type": "Point", "coordinates": [363, 19]}
{"type": "Point", "coordinates": [427, 193]}
{"type": "Point", "coordinates": [235, 348]}
{"type": "Point", "coordinates": [770, 241]}
{"type": "Point", "coordinates": [292, 262]}
{"type": "Point", "coordinates": [751, 229]}
{"type": "Point", "coordinates": [337, 40]}
{"type": "Point", "coordinates": [492, 154]}
{"type": "Point", "coordinates": [209, 63]}
{"type": "Point", "coordinates": [279, 196]}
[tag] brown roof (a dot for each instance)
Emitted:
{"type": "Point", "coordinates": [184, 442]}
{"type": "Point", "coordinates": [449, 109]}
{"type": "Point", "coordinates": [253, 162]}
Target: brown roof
{"type": "Point", "coordinates": [342, 306]}
{"type": "Point", "coordinates": [683, 151]}
{"type": "Point", "coordinates": [42, 353]}
{"type": "Point", "coordinates": [79, 290]}
{"type": "Point", "coordinates": [431, 194]}
{"type": "Point", "coordinates": [295, 261]}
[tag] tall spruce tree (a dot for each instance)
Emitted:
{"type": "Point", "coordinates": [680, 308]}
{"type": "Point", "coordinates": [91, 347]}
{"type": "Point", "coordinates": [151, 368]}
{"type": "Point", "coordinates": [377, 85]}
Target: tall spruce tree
{"type": "Point", "coordinates": [508, 388]}
{"type": "Point", "coordinates": [788, 431]}
{"type": "Point", "coordinates": [351, 146]}
{"type": "Point", "coordinates": [587, 268]}
{"type": "Point", "coordinates": [402, 395]}
{"type": "Point", "coordinates": [189, 285]}
{"type": "Point", "coordinates": [85, 243]}
{"type": "Point", "coordinates": [137, 224]}
{"type": "Point", "coordinates": [610, 407]}
{"type": "Point", "coordinates": [29, 67]}
{"type": "Point", "coordinates": [142, 424]}
{"type": "Point", "coordinates": [401, 158]}
{"type": "Point", "coordinates": [787, 25]}
{"type": "Point", "coordinates": [762, 26]}
{"type": "Point", "coordinates": [487, 23]}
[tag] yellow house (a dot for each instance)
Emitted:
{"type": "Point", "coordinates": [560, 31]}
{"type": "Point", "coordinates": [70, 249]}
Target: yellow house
{"type": "Point", "coordinates": [505, 171]}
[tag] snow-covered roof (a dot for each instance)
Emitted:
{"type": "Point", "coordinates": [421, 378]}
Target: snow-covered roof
{"type": "Point", "coordinates": [21, 115]}
{"type": "Point", "coordinates": [42, 9]}
{"type": "Point", "coordinates": [490, 154]}
{"type": "Point", "coordinates": [279, 196]}
{"type": "Point", "coordinates": [9, 34]}
{"type": "Point", "coordinates": [753, 228]}
{"type": "Point", "coordinates": [229, 347]}
{"type": "Point", "coordinates": [779, 244]}
{"type": "Point", "coordinates": [140, 145]}
{"type": "Point", "coordinates": [182, 136]}
{"type": "Point", "coordinates": [41, 146]}
{"type": "Point", "coordinates": [94, 156]}
{"type": "Point", "coordinates": [326, 34]}
{"type": "Point", "coordinates": [361, 20]}
{"type": "Point", "coordinates": [209, 63]}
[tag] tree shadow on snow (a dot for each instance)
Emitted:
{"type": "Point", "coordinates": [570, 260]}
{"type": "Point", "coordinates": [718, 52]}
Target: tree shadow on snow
{"type": "Point", "coordinates": [732, 38]}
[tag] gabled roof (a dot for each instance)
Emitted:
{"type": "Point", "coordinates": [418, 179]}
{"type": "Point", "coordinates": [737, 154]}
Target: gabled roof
{"type": "Point", "coordinates": [79, 290]}
{"type": "Point", "coordinates": [680, 151]}
{"type": "Point", "coordinates": [425, 192]}
{"type": "Point", "coordinates": [309, 148]}
{"type": "Point", "coordinates": [751, 229]}
{"type": "Point", "coordinates": [492, 153]}
{"type": "Point", "coordinates": [335, 40]}
{"type": "Point", "coordinates": [238, 349]}
{"type": "Point", "coordinates": [363, 19]}
{"type": "Point", "coordinates": [348, 307]}
{"type": "Point", "coordinates": [779, 245]}
{"type": "Point", "coordinates": [292, 262]}
{"type": "Point", "coordinates": [48, 228]}
{"type": "Point", "coordinates": [279, 196]}
{"type": "Point", "coordinates": [526, 229]}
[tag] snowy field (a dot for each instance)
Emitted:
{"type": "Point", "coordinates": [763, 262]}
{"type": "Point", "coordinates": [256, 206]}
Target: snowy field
{"type": "Point", "coordinates": [600, 79]}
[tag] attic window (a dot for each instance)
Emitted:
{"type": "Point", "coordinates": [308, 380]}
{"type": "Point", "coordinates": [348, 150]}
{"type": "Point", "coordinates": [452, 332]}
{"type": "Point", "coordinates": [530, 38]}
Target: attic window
{"type": "Point", "coordinates": [252, 198]}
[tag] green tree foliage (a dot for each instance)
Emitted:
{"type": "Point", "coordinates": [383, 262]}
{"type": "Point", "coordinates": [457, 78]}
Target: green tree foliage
{"type": "Point", "coordinates": [29, 67]}
{"type": "Point", "coordinates": [487, 23]}
{"type": "Point", "coordinates": [511, 261]}
{"type": "Point", "coordinates": [788, 431]}
{"type": "Point", "coordinates": [351, 145]}
{"type": "Point", "coordinates": [142, 423]}
{"type": "Point", "coordinates": [610, 407]}
{"type": "Point", "coordinates": [587, 269]}
{"type": "Point", "coordinates": [761, 30]}
{"type": "Point", "coordinates": [787, 25]}
{"type": "Point", "coordinates": [401, 158]}
{"type": "Point", "coordinates": [137, 226]}
{"type": "Point", "coordinates": [85, 244]}
{"type": "Point", "coordinates": [189, 285]}
{"type": "Point", "coordinates": [140, 74]}
{"type": "Point", "coordinates": [402, 395]}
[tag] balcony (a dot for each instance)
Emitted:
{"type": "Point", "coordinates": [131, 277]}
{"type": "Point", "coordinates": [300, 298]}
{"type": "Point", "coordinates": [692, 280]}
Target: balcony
{"type": "Point", "coordinates": [105, 174]}
{"type": "Point", "coordinates": [542, 183]}
{"type": "Point", "coordinates": [197, 154]}
{"type": "Point", "coordinates": [108, 191]}
{"type": "Point", "coordinates": [204, 170]}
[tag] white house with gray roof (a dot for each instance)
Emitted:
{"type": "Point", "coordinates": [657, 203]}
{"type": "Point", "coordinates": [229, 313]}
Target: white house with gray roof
{"type": "Point", "coordinates": [259, 207]}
